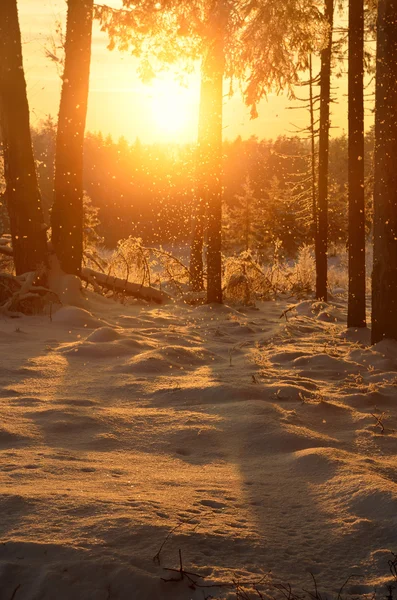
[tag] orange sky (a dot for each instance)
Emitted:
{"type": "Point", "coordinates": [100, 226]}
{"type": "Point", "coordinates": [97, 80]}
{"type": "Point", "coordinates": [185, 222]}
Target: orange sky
{"type": "Point", "coordinates": [121, 105]}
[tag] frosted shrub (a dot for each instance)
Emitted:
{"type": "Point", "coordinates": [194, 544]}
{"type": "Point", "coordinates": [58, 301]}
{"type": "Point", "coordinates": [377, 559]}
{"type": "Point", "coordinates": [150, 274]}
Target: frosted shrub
{"type": "Point", "coordinates": [169, 270]}
{"type": "Point", "coordinates": [244, 278]}
{"type": "Point", "coordinates": [247, 279]}
{"type": "Point", "coordinates": [303, 274]}
{"type": "Point", "coordinates": [337, 278]}
{"type": "Point", "coordinates": [92, 240]}
{"type": "Point", "coordinates": [338, 269]}
{"type": "Point", "coordinates": [134, 262]}
{"type": "Point", "coordinates": [130, 261]}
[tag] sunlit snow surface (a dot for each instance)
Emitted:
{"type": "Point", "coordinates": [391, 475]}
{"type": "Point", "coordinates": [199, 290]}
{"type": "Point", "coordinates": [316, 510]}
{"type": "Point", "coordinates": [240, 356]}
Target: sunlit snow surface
{"type": "Point", "coordinates": [254, 433]}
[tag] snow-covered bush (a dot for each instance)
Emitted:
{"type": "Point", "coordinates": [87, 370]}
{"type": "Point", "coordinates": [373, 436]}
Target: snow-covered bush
{"type": "Point", "coordinates": [246, 278]}
{"type": "Point", "coordinates": [134, 262]}
{"type": "Point", "coordinates": [131, 261]}
{"type": "Point", "coordinates": [303, 273]}
{"type": "Point", "coordinates": [92, 240]}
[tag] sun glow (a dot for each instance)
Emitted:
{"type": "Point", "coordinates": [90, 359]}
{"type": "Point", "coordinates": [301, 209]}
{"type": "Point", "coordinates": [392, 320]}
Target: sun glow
{"type": "Point", "coordinates": [173, 109]}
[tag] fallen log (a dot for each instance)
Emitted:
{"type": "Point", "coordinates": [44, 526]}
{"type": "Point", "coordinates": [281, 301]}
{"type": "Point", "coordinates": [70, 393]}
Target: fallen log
{"type": "Point", "coordinates": [122, 286]}
{"type": "Point", "coordinates": [102, 281]}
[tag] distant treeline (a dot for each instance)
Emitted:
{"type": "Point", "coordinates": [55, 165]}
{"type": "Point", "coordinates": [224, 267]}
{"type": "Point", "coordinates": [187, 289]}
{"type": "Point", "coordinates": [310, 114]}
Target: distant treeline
{"type": "Point", "coordinates": [148, 190]}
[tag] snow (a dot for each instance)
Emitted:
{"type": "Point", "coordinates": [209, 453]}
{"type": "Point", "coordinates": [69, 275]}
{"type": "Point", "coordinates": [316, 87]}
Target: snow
{"type": "Point", "coordinates": [252, 437]}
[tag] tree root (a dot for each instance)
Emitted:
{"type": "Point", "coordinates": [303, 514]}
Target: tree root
{"type": "Point", "coordinates": [19, 295]}
{"type": "Point", "coordinates": [99, 281]}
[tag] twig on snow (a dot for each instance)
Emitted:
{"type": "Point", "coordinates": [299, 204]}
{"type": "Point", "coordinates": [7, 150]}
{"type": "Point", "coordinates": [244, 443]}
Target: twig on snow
{"type": "Point", "coordinates": [285, 312]}
{"type": "Point", "coordinates": [14, 593]}
{"type": "Point", "coordinates": [182, 573]}
{"type": "Point", "coordinates": [379, 421]}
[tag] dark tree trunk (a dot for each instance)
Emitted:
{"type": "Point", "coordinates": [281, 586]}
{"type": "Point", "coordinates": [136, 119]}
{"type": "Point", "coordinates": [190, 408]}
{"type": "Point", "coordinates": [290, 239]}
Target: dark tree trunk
{"type": "Point", "coordinates": [322, 214]}
{"type": "Point", "coordinates": [23, 200]}
{"type": "Point", "coordinates": [384, 275]}
{"type": "Point", "coordinates": [67, 212]}
{"type": "Point", "coordinates": [313, 153]}
{"type": "Point", "coordinates": [196, 247]}
{"type": "Point", "coordinates": [356, 303]}
{"type": "Point", "coordinates": [215, 64]}
{"type": "Point", "coordinates": [247, 223]}
{"type": "Point", "coordinates": [208, 210]}
{"type": "Point", "coordinates": [202, 172]}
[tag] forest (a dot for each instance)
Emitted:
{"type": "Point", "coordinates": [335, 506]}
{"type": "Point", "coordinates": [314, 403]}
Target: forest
{"type": "Point", "coordinates": [198, 341]}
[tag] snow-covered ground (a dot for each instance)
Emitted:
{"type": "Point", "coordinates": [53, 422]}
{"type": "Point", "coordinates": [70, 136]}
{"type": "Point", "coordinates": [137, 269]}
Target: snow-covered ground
{"type": "Point", "coordinates": [252, 439]}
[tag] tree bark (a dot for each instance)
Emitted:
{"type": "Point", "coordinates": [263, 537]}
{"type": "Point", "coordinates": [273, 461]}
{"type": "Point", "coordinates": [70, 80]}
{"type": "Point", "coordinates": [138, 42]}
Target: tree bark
{"type": "Point", "coordinates": [313, 154]}
{"type": "Point", "coordinates": [209, 174]}
{"type": "Point", "coordinates": [214, 102]}
{"type": "Point", "coordinates": [384, 275]}
{"type": "Point", "coordinates": [356, 300]}
{"type": "Point", "coordinates": [197, 244]}
{"type": "Point", "coordinates": [28, 230]}
{"type": "Point", "coordinates": [196, 266]}
{"type": "Point", "coordinates": [67, 211]}
{"type": "Point", "coordinates": [247, 222]}
{"type": "Point", "coordinates": [322, 215]}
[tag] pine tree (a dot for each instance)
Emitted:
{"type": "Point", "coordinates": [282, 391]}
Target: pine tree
{"type": "Point", "coordinates": [356, 302]}
{"type": "Point", "coordinates": [384, 275]}
{"type": "Point", "coordinates": [210, 146]}
{"type": "Point", "coordinates": [244, 220]}
{"type": "Point", "coordinates": [209, 165]}
{"type": "Point", "coordinates": [322, 213]}
{"type": "Point", "coordinates": [67, 212]}
{"type": "Point", "coordinates": [22, 194]}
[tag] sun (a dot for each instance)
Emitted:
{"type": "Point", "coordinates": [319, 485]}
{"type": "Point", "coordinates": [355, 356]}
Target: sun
{"type": "Point", "coordinates": [172, 109]}
{"type": "Point", "coordinates": [169, 114]}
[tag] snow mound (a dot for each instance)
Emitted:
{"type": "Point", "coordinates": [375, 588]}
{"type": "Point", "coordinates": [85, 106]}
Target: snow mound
{"type": "Point", "coordinates": [164, 359]}
{"type": "Point", "coordinates": [197, 444]}
{"type": "Point", "coordinates": [381, 356]}
{"type": "Point", "coordinates": [73, 316]}
{"type": "Point", "coordinates": [104, 334]}
{"type": "Point", "coordinates": [285, 391]}
{"type": "Point", "coordinates": [387, 348]}
{"type": "Point", "coordinates": [372, 501]}
{"type": "Point", "coordinates": [70, 290]}
{"type": "Point", "coordinates": [319, 310]}
{"type": "Point", "coordinates": [216, 310]}
{"type": "Point", "coordinates": [9, 439]}
{"type": "Point", "coordinates": [286, 356]}
{"type": "Point", "coordinates": [320, 365]}
{"type": "Point", "coordinates": [115, 349]}
{"type": "Point", "coordinates": [316, 463]}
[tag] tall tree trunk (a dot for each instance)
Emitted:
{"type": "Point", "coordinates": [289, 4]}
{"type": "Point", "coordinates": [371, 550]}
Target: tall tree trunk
{"type": "Point", "coordinates": [67, 211]}
{"type": "Point", "coordinates": [384, 275]}
{"type": "Point", "coordinates": [196, 266]}
{"type": "Point", "coordinates": [325, 98]}
{"type": "Point", "coordinates": [247, 222]}
{"type": "Point", "coordinates": [356, 302]}
{"type": "Point", "coordinates": [23, 200]}
{"type": "Point", "coordinates": [214, 102]}
{"type": "Point", "coordinates": [202, 174]}
{"type": "Point", "coordinates": [208, 210]}
{"type": "Point", "coordinates": [313, 153]}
